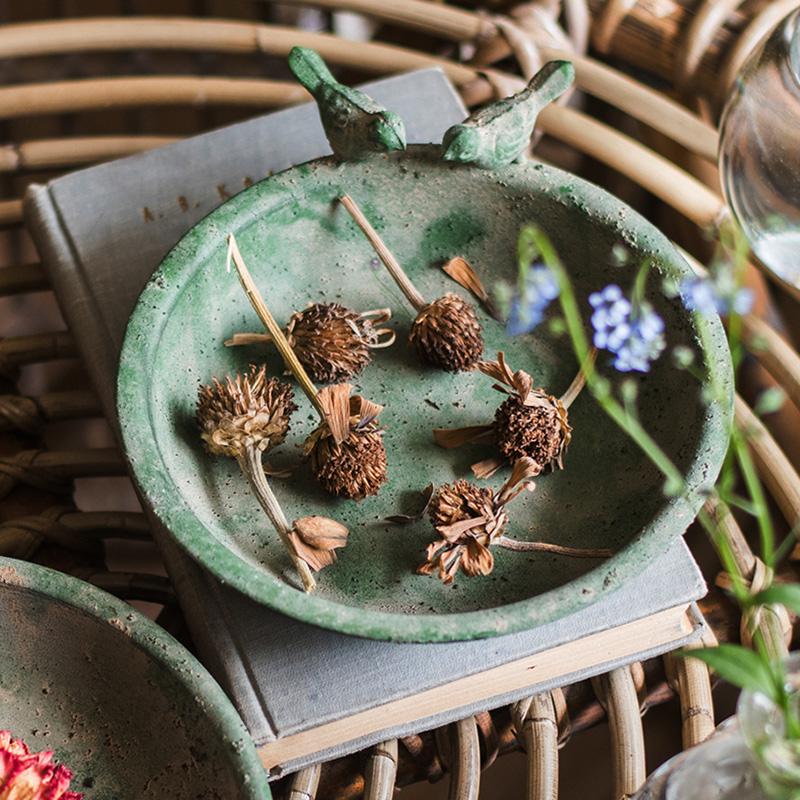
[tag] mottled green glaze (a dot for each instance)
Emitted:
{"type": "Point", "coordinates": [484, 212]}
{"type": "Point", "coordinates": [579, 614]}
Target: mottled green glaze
{"type": "Point", "coordinates": [497, 135]}
{"type": "Point", "coordinates": [301, 246]}
{"type": "Point", "coordinates": [126, 707]}
{"type": "Point", "coordinates": [354, 123]}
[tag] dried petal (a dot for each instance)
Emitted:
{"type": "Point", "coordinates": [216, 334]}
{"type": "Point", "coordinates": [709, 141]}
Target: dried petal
{"type": "Point", "coordinates": [315, 540]}
{"type": "Point", "coordinates": [447, 334]}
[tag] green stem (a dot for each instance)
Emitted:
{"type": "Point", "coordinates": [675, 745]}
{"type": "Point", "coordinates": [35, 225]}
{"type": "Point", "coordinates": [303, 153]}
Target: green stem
{"type": "Point", "coordinates": [599, 386]}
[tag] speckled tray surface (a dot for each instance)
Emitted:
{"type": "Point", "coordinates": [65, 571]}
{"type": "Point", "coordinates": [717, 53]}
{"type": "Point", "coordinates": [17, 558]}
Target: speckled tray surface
{"type": "Point", "coordinates": [121, 703]}
{"type": "Point", "coordinates": [302, 247]}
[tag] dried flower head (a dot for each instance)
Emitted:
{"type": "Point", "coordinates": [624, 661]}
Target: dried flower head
{"type": "Point", "coordinates": [334, 343]}
{"type": "Point", "coordinates": [469, 519]}
{"type": "Point", "coordinates": [249, 410]}
{"type": "Point", "coordinates": [31, 776]}
{"type": "Point", "coordinates": [447, 334]}
{"type": "Point", "coordinates": [530, 423]}
{"type": "Point", "coordinates": [346, 451]}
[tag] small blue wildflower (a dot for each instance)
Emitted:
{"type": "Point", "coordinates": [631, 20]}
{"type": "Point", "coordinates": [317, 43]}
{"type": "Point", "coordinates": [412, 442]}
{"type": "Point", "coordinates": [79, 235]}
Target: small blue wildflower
{"type": "Point", "coordinates": [526, 310]}
{"type": "Point", "coordinates": [719, 293]}
{"type": "Point", "coordinates": [634, 335]}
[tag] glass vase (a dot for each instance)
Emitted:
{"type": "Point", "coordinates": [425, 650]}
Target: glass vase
{"type": "Point", "coordinates": [775, 757]}
{"type": "Point", "coordinates": [759, 150]}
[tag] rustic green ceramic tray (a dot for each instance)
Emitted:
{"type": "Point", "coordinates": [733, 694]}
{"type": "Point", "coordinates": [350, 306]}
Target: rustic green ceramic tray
{"type": "Point", "coordinates": [126, 707]}
{"type": "Point", "coordinates": [301, 246]}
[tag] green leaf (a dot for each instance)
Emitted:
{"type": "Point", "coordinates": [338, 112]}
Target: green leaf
{"type": "Point", "coordinates": [739, 666]}
{"type": "Point", "coordinates": [784, 594]}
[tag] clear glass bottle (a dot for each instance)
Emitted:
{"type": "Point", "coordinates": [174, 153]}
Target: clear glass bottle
{"type": "Point", "coordinates": [759, 150]}
{"type": "Point", "coordinates": [775, 757]}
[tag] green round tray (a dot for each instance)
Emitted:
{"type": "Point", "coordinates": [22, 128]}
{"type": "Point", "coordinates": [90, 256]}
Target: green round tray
{"type": "Point", "coordinates": [301, 246]}
{"type": "Point", "coordinates": [129, 710]}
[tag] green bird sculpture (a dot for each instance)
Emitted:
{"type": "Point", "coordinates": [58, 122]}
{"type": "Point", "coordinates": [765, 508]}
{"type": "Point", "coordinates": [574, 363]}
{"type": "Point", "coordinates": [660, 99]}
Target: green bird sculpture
{"type": "Point", "coordinates": [354, 123]}
{"type": "Point", "coordinates": [497, 135]}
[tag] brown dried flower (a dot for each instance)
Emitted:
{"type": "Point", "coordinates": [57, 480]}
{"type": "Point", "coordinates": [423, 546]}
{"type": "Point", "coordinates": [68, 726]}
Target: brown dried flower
{"type": "Point", "coordinates": [248, 410]}
{"type": "Point", "coordinates": [331, 341]}
{"type": "Point", "coordinates": [447, 334]}
{"type": "Point", "coordinates": [469, 519]}
{"type": "Point", "coordinates": [530, 423]}
{"type": "Point", "coordinates": [346, 451]}
{"type": "Point", "coordinates": [243, 418]}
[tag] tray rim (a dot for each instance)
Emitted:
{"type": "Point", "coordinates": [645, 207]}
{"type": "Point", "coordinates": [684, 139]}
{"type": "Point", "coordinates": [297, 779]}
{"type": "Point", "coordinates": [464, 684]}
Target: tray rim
{"type": "Point", "coordinates": [187, 256]}
{"type": "Point", "coordinates": [168, 652]}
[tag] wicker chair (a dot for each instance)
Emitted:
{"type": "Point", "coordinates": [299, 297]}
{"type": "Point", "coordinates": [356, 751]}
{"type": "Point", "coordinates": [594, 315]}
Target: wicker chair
{"type": "Point", "coordinates": [80, 90]}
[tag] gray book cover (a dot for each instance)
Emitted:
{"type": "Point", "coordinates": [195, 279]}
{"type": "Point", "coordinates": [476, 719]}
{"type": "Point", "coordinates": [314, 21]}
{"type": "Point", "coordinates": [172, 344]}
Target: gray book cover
{"type": "Point", "coordinates": [101, 232]}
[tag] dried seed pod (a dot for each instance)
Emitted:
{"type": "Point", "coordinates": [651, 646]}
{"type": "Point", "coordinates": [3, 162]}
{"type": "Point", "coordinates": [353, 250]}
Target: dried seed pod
{"type": "Point", "coordinates": [530, 423]}
{"type": "Point", "coordinates": [334, 343]}
{"type": "Point", "coordinates": [446, 333]}
{"type": "Point", "coordinates": [470, 519]}
{"type": "Point", "coordinates": [346, 451]}
{"type": "Point", "coordinates": [331, 341]}
{"type": "Point", "coordinates": [249, 410]}
{"type": "Point", "coordinates": [242, 418]}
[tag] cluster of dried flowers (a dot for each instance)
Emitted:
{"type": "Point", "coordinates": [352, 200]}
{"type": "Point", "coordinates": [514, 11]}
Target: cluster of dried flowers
{"type": "Point", "coordinates": [31, 776]}
{"type": "Point", "coordinates": [247, 416]}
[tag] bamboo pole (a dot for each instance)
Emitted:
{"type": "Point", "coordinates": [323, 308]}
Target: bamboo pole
{"type": "Point", "coordinates": [778, 474]}
{"type": "Point", "coordinates": [644, 103]}
{"type": "Point", "coordinates": [305, 783]}
{"type": "Point", "coordinates": [20, 350]}
{"type": "Point", "coordinates": [69, 528]}
{"type": "Point", "coordinates": [10, 210]}
{"type": "Point", "coordinates": [465, 761]}
{"type": "Point", "coordinates": [90, 94]}
{"type": "Point", "coordinates": [76, 151]}
{"type": "Point", "coordinates": [617, 691]}
{"type": "Point", "coordinates": [29, 414]}
{"type": "Point", "coordinates": [22, 279]}
{"type": "Point", "coordinates": [51, 470]}
{"type": "Point", "coordinates": [537, 728]}
{"type": "Point", "coordinates": [381, 771]}
{"type": "Point", "coordinates": [691, 681]}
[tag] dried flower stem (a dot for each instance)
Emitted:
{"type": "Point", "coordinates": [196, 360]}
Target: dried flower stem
{"type": "Point", "coordinates": [547, 547]}
{"type": "Point", "coordinates": [390, 262]}
{"type": "Point", "coordinates": [251, 465]}
{"type": "Point", "coordinates": [278, 337]}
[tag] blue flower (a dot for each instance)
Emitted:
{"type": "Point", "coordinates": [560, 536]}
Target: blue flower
{"type": "Point", "coordinates": [527, 308]}
{"type": "Point", "coordinates": [633, 334]}
{"type": "Point", "coordinates": [719, 293]}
